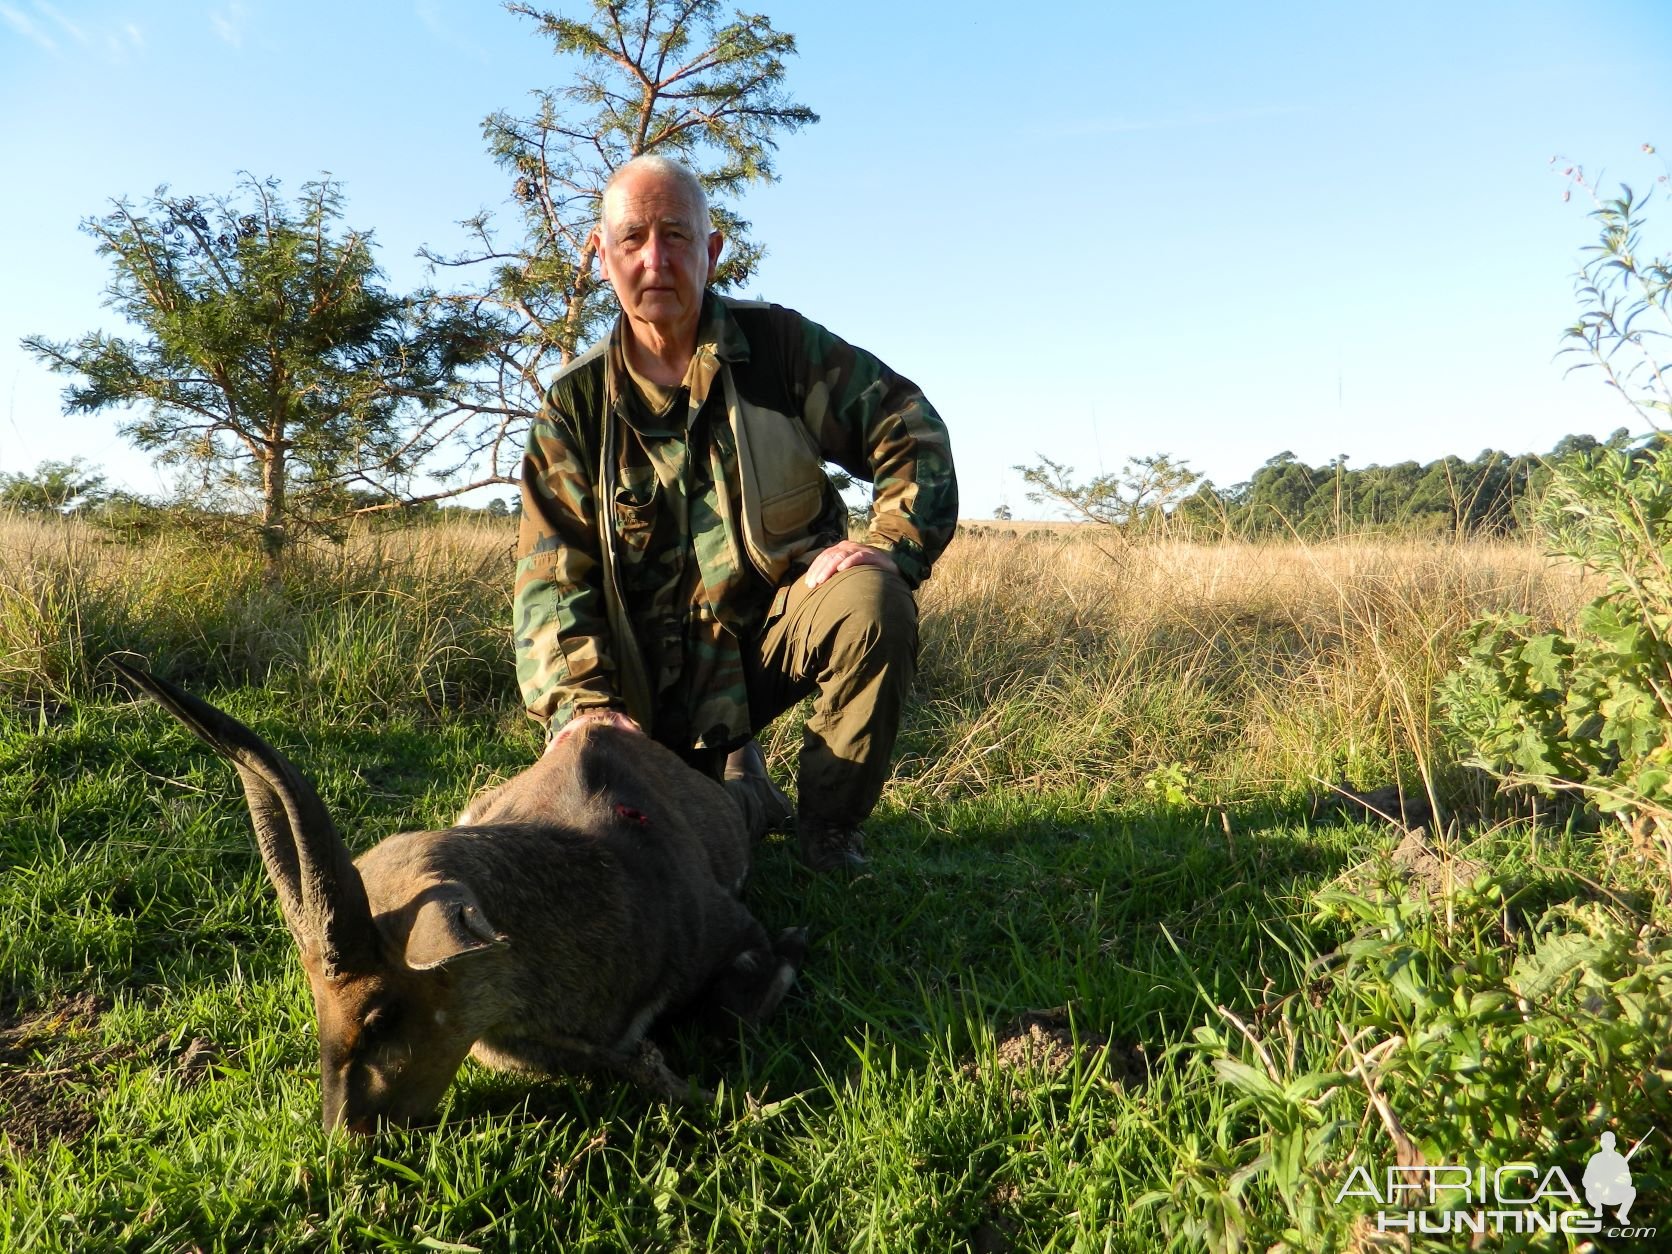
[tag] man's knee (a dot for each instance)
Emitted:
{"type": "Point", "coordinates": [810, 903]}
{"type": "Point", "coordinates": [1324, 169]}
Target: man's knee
{"type": "Point", "coordinates": [870, 610]}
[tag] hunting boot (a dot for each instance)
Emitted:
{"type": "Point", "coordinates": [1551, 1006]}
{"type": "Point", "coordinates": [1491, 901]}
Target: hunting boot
{"type": "Point", "coordinates": [765, 806]}
{"type": "Point", "coordinates": [828, 847]}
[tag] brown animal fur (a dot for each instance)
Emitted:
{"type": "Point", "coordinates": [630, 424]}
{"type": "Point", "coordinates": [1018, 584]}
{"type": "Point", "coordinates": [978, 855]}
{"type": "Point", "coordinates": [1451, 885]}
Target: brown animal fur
{"type": "Point", "coordinates": [568, 910]}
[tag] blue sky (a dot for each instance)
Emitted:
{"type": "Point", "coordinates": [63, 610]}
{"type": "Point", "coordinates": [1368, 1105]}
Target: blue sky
{"type": "Point", "coordinates": [1090, 231]}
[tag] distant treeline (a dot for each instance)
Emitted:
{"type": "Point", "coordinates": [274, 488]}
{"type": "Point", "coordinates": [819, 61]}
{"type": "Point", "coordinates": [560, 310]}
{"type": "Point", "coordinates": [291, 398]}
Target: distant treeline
{"type": "Point", "coordinates": [1492, 495]}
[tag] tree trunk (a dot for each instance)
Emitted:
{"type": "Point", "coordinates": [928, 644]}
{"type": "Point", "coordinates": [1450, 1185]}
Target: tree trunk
{"type": "Point", "coordinates": [272, 507]}
{"type": "Point", "coordinates": [574, 314]}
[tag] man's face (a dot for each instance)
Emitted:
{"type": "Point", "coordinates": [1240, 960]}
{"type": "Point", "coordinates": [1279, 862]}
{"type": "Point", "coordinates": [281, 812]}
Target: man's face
{"type": "Point", "coordinates": [656, 253]}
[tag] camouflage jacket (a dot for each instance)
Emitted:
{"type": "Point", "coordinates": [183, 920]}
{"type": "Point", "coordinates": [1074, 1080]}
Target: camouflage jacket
{"type": "Point", "coordinates": [652, 545]}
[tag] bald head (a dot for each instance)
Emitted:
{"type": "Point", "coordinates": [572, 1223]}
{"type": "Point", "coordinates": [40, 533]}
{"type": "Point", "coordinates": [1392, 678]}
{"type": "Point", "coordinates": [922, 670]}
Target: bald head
{"type": "Point", "coordinates": [666, 174]}
{"type": "Point", "coordinates": [658, 249]}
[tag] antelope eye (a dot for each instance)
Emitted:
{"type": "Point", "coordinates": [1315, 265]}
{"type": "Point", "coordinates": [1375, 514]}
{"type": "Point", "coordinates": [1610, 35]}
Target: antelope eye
{"type": "Point", "coordinates": [380, 1023]}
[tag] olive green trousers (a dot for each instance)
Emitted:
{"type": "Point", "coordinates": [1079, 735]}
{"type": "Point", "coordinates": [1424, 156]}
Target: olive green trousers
{"type": "Point", "coordinates": [850, 644]}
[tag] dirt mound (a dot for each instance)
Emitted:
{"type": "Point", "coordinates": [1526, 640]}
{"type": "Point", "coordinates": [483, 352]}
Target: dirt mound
{"type": "Point", "coordinates": [1434, 872]}
{"type": "Point", "coordinates": [49, 1060]}
{"type": "Point", "coordinates": [1041, 1041]}
{"type": "Point", "coordinates": [1041, 1044]}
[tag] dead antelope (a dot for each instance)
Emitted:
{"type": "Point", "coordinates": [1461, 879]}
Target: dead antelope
{"type": "Point", "coordinates": [571, 908]}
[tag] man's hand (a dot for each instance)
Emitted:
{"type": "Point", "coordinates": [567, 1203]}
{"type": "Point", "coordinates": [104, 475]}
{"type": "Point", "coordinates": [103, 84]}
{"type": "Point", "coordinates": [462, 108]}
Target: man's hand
{"type": "Point", "coordinates": [601, 714]}
{"type": "Point", "coordinates": [841, 556]}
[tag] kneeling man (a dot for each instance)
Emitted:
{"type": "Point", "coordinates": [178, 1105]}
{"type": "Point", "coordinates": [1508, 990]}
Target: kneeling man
{"type": "Point", "coordinates": [684, 567]}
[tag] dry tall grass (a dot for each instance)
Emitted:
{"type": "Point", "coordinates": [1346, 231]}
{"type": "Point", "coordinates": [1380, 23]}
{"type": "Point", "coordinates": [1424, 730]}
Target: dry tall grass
{"type": "Point", "coordinates": [1072, 660]}
{"type": "Point", "coordinates": [1063, 661]}
{"type": "Point", "coordinates": [390, 620]}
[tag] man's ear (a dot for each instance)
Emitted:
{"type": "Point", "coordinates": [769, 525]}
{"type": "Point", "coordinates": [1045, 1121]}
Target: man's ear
{"type": "Point", "coordinates": [716, 241]}
{"type": "Point", "coordinates": [595, 242]}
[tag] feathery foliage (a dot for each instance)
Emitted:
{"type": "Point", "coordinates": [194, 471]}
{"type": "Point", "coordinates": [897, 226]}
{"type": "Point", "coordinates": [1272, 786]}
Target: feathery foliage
{"type": "Point", "coordinates": [683, 79]}
{"type": "Point", "coordinates": [267, 360]}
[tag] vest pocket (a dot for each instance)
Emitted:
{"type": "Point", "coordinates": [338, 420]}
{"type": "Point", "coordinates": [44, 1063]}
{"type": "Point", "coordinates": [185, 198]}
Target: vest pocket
{"type": "Point", "coordinates": [782, 483]}
{"type": "Point", "coordinates": [792, 512]}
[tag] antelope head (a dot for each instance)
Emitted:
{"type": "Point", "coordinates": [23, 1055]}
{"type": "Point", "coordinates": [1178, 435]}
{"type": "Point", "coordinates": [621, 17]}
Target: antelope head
{"type": "Point", "coordinates": [384, 985]}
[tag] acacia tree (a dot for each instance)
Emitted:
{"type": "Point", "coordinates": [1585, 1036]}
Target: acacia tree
{"type": "Point", "coordinates": [1136, 497]}
{"type": "Point", "coordinates": [665, 76]}
{"type": "Point", "coordinates": [269, 361]}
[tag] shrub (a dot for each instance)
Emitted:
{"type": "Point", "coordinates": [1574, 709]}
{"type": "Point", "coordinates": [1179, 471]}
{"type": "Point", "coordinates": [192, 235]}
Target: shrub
{"type": "Point", "coordinates": [1588, 709]}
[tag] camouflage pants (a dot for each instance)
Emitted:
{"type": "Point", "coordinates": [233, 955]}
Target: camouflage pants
{"type": "Point", "coordinates": [851, 644]}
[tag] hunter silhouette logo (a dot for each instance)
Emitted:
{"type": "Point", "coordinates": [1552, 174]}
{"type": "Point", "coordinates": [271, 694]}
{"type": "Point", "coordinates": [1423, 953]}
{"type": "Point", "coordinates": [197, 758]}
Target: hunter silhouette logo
{"type": "Point", "coordinates": [1607, 1178]}
{"type": "Point", "coordinates": [1524, 1198]}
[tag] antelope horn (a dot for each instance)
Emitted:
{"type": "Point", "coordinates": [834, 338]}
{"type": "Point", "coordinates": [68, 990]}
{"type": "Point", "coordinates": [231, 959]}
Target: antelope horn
{"type": "Point", "coordinates": [320, 892]}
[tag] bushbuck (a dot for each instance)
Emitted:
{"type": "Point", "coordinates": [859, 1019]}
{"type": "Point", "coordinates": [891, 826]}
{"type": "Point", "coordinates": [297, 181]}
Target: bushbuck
{"type": "Point", "coordinates": [568, 910]}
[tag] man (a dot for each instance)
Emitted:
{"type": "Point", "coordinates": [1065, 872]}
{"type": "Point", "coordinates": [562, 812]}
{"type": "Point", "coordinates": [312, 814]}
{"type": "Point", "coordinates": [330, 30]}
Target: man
{"type": "Point", "coordinates": [1607, 1179]}
{"type": "Point", "coordinates": [684, 567]}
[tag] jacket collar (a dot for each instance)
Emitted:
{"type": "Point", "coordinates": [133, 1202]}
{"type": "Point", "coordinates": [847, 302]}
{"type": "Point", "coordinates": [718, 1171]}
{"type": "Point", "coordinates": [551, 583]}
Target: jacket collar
{"type": "Point", "coordinates": [716, 329]}
{"type": "Point", "coordinates": [717, 333]}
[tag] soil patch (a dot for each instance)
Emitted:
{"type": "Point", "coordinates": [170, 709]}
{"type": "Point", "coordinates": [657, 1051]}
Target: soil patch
{"type": "Point", "coordinates": [994, 1236]}
{"type": "Point", "coordinates": [1000, 1231]}
{"type": "Point", "coordinates": [1433, 873]}
{"type": "Point", "coordinates": [50, 1061]}
{"type": "Point", "coordinates": [192, 1063]}
{"type": "Point", "coordinates": [1042, 1042]}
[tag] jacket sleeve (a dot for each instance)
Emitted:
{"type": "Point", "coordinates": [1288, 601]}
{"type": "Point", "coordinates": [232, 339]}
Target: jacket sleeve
{"type": "Point", "coordinates": [564, 661]}
{"type": "Point", "coordinates": [878, 426]}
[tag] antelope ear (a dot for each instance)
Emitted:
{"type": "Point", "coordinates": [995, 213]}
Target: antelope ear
{"type": "Point", "coordinates": [448, 925]}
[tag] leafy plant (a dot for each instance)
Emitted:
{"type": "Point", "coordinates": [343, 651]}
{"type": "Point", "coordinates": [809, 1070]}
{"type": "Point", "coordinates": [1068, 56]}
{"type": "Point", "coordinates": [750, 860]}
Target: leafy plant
{"type": "Point", "coordinates": [1462, 1044]}
{"type": "Point", "coordinates": [1626, 324]}
{"type": "Point", "coordinates": [1172, 787]}
{"type": "Point", "coordinates": [1587, 709]}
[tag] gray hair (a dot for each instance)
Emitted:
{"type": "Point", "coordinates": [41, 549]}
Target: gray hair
{"type": "Point", "coordinates": [667, 168]}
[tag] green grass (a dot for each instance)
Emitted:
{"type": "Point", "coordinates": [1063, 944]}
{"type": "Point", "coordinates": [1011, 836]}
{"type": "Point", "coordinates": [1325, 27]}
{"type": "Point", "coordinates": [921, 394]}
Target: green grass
{"type": "Point", "coordinates": [878, 1115]}
{"type": "Point", "coordinates": [883, 1120]}
{"type": "Point", "coordinates": [1197, 954]}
